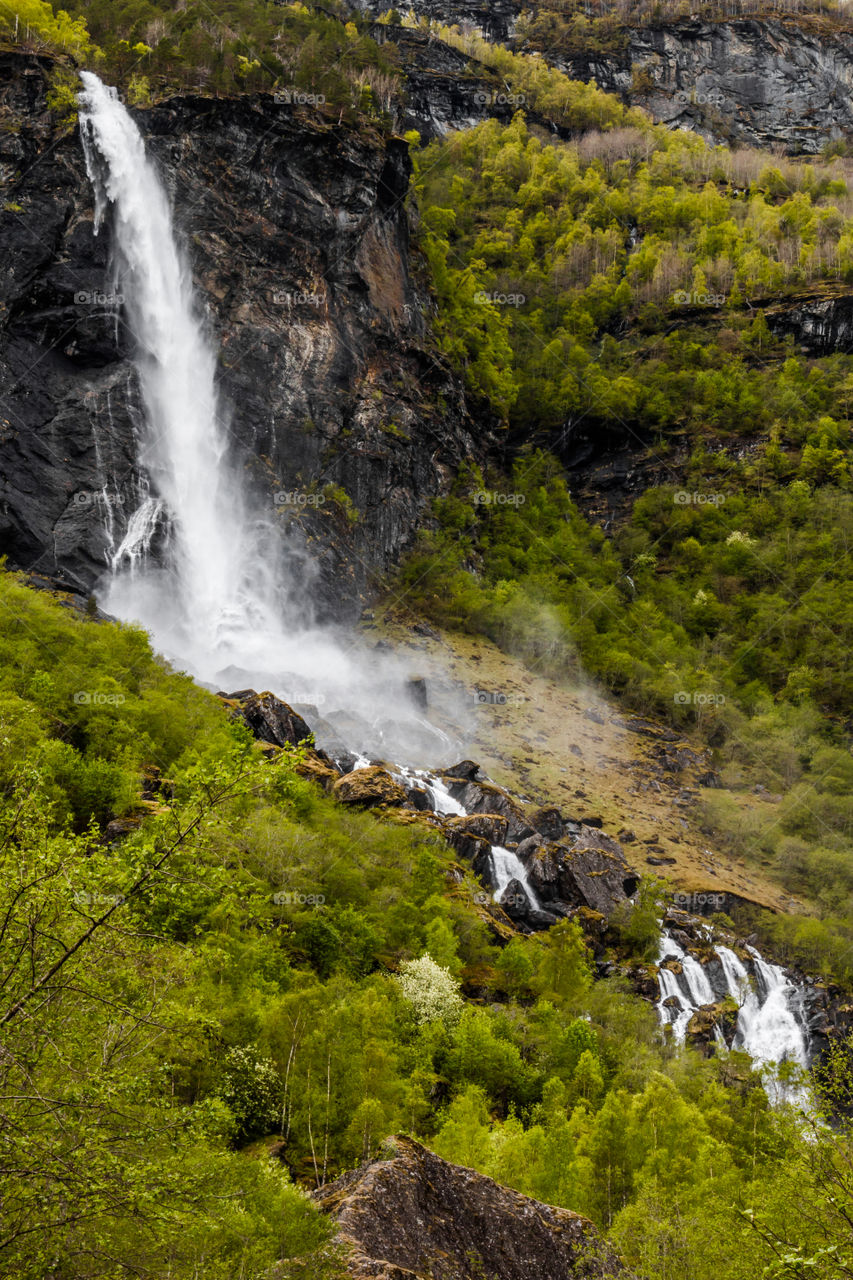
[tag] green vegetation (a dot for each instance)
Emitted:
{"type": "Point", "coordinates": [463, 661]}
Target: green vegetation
{"type": "Point", "coordinates": [223, 978]}
{"type": "Point", "coordinates": [724, 599]}
{"type": "Point", "coordinates": [629, 226]}
{"type": "Point", "coordinates": [155, 48]}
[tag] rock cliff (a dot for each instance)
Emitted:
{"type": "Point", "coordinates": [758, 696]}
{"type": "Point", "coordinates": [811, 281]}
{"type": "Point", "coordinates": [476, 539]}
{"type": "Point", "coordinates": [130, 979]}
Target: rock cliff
{"type": "Point", "coordinates": [295, 227]}
{"type": "Point", "coordinates": [755, 82]}
{"type": "Point", "coordinates": [413, 1216]}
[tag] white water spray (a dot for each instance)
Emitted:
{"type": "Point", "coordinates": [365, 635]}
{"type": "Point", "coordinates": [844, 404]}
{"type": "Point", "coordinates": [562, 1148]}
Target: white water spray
{"type": "Point", "coordinates": [212, 597]}
{"type": "Point", "coordinates": [769, 1026]}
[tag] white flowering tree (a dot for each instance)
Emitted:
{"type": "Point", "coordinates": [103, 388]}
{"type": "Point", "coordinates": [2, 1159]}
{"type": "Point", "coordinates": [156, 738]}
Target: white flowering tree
{"type": "Point", "coordinates": [431, 990]}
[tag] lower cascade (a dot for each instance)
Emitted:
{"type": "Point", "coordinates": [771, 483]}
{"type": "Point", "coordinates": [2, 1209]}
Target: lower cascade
{"type": "Point", "coordinates": [770, 1024]}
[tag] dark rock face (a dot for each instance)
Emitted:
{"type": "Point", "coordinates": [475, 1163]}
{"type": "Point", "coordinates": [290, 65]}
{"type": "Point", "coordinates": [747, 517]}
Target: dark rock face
{"type": "Point", "coordinates": [467, 834]}
{"type": "Point", "coordinates": [298, 240]}
{"type": "Point", "coordinates": [484, 797]}
{"type": "Point", "coordinates": [416, 1217]}
{"type": "Point", "coordinates": [820, 325]}
{"type": "Point", "coordinates": [269, 719]}
{"type": "Point", "coordinates": [748, 81]}
{"type": "Point", "coordinates": [588, 870]}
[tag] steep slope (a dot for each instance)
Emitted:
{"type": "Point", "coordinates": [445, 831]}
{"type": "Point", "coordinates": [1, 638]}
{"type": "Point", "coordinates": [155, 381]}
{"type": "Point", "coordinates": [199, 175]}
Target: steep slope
{"type": "Point", "coordinates": [347, 420]}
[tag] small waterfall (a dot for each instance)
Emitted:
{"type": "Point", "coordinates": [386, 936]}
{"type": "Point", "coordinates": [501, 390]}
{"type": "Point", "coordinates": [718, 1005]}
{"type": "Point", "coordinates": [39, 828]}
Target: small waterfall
{"type": "Point", "coordinates": [768, 1026]}
{"type": "Point", "coordinates": [442, 799]}
{"type": "Point", "coordinates": [507, 866]}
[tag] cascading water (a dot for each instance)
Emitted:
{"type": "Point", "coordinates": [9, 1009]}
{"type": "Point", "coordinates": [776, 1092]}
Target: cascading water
{"type": "Point", "coordinates": [212, 597]}
{"type": "Point", "coordinates": [769, 1026]}
{"type": "Point", "coordinates": [506, 867]}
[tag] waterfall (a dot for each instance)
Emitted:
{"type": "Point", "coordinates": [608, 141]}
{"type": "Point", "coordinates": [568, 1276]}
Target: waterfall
{"type": "Point", "coordinates": [507, 866]}
{"type": "Point", "coordinates": [212, 596]}
{"type": "Point", "coordinates": [769, 1024]}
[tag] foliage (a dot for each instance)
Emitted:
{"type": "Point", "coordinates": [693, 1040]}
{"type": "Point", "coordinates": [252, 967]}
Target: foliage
{"type": "Point", "coordinates": [224, 976]}
{"type": "Point", "coordinates": [430, 990]}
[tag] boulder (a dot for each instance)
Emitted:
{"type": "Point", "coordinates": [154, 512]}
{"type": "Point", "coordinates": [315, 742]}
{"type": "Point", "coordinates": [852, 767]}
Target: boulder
{"type": "Point", "coordinates": [488, 826]}
{"type": "Point", "coordinates": [318, 768]}
{"type": "Point", "coordinates": [588, 870]}
{"type": "Point", "coordinates": [484, 797]}
{"type": "Point", "coordinates": [419, 798]}
{"type": "Point", "coordinates": [702, 1027]}
{"type": "Point", "coordinates": [369, 787]}
{"type": "Point", "coordinates": [515, 901]}
{"type": "Point", "coordinates": [467, 770]}
{"type": "Point", "coordinates": [548, 822]}
{"type": "Point", "coordinates": [268, 718]}
{"type": "Point", "coordinates": [413, 1216]}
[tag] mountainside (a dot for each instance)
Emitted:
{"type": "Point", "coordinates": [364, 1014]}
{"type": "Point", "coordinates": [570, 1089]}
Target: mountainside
{"type": "Point", "coordinates": [426, 604]}
{"type": "Point", "coordinates": [751, 82]}
{"type": "Point", "coordinates": [347, 419]}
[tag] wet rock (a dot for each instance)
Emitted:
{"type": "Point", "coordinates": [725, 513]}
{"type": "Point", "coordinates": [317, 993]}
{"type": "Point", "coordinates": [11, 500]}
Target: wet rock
{"type": "Point", "coordinates": [413, 1216]}
{"type": "Point", "coordinates": [548, 822]}
{"type": "Point", "coordinates": [416, 689]}
{"type": "Point", "coordinates": [484, 797]}
{"type": "Point", "coordinates": [701, 1028]}
{"type": "Point", "coordinates": [299, 246]}
{"type": "Point", "coordinates": [588, 870]}
{"type": "Point", "coordinates": [419, 798]}
{"type": "Point", "coordinates": [268, 718]}
{"type": "Point", "coordinates": [467, 770]}
{"type": "Point", "coordinates": [369, 787]}
{"type": "Point", "coordinates": [515, 901]}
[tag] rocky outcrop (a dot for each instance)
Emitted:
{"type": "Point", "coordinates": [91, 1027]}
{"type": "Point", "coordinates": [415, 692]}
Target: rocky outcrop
{"type": "Point", "coordinates": [268, 718]}
{"type": "Point", "coordinates": [368, 788]}
{"type": "Point", "coordinates": [587, 870]}
{"type": "Point", "coordinates": [413, 1216]}
{"type": "Point", "coordinates": [819, 324]}
{"type": "Point", "coordinates": [346, 420]}
{"type": "Point", "coordinates": [756, 82]}
{"type": "Point", "coordinates": [767, 82]}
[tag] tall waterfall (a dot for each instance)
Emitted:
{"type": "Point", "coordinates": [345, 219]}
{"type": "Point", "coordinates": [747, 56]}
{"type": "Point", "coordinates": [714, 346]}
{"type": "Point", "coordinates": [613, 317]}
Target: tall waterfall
{"type": "Point", "coordinates": [212, 595]}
